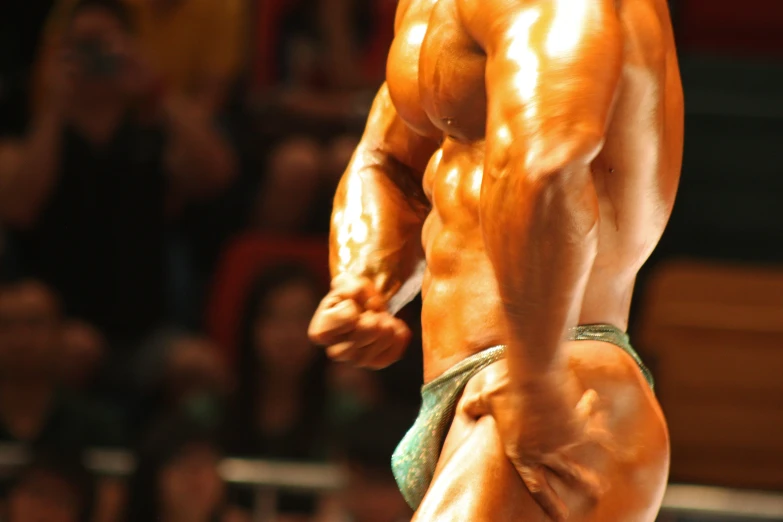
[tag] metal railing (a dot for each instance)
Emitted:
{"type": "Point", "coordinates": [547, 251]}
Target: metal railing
{"type": "Point", "coordinates": [268, 478]}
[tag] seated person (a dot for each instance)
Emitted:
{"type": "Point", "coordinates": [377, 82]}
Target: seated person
{"type": "Point", "coordinates": [181, 374]}
{"type": "Point", "coordinates": [282, 395]}
{"type": "Point", "coordinates": [84, 349]}
{"type": "Point", "coordinates": [35, 412]}
{"type": "Point", "coordinates": [34, 409]}
{"type": "Point", "coordinates": [177, 477]}
{"type": "Point", "coordinates": [52, 488]}
{"type": "Point", "coordinates": [91, 189]}
{"type": "Point", "coordinates": [364, 449]}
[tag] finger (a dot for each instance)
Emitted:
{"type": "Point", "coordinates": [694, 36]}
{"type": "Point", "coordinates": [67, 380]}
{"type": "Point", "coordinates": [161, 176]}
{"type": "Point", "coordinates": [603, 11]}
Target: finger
{"type": "Point", "coordinates": [373, 356]}
{"type": "Point", "coordinates": [330, 323]}
{"type": "Point", "coordinates": [399, 336]}
{"type": "Point", "coordinates": [586, 480]}
{"type": "Point", "coordinates": [542, 492]}
{"type": "Point", "coordinates": [587, 404]}
{"type": "Point", "coordinates": [347, 347]}
{"type": "Point", "coordinates": [594, 423]}
{"type": "Point", "coordinates": [341, 352]}
{"type": "Point", "coordinates": [360, 289]}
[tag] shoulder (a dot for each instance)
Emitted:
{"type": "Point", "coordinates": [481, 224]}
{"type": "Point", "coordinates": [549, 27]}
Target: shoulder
{"type": "Point", "coordinates": [494, 23]}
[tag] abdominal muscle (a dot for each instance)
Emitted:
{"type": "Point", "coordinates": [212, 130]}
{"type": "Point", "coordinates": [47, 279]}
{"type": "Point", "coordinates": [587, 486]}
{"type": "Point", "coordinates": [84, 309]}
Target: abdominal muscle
{"type": "Point", "coordinates": [462, 313]}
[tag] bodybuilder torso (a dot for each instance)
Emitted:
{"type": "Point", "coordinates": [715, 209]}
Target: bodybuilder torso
{"type": "Point", "coordinates": [436, 83]}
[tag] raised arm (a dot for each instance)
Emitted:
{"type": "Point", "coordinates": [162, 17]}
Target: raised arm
{"type": "Point", "coordinates": [376, 258]}
{"type": "Point", "coordinates": [552, 74]}
{"type": "Point", "coordinates": [380, 206]}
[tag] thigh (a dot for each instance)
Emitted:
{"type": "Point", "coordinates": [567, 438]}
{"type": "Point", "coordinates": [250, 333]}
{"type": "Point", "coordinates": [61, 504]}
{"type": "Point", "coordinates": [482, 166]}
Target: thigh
{"type": "Point", "coordinates": [475, 481]}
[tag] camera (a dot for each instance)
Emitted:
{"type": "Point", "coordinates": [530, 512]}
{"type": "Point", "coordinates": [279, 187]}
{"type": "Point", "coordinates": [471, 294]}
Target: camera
{"type": "Point", "coordinates": [95, 61]}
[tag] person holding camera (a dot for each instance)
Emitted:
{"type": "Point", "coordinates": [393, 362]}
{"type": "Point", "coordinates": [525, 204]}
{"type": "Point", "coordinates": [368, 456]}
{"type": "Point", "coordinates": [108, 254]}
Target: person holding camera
{"type": "Point", "coordinates": [91, 189]}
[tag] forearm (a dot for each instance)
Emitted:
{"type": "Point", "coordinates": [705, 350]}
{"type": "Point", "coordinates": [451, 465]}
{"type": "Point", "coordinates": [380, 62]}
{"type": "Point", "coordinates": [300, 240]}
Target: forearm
{"type": "Point", "coordinates": [29, 172]}
{"type": "Point", "coordinates": [376, 224]}
{"type": "Point", "coordinates": [540, 231]}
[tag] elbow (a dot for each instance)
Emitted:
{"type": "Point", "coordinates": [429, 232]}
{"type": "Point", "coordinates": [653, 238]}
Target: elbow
{"type": "Point", "coordinates": [550, 179]}
{"type": "Point", "coordinates": [549, 161]}
{"type": "Point", "coordinates": [555, 159]}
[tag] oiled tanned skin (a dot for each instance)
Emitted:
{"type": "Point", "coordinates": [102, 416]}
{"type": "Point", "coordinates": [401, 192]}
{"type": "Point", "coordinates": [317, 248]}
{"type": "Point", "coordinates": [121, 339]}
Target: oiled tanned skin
{"type": "Point", "coordinates": [522, 161]}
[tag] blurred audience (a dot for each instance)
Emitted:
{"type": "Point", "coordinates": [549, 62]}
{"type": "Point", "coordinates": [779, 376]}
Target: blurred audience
{"type": "Point", "coordinates": [83, 351]}
{"type": "Point", "coordinates": [52, 488]}
{"type": "Point", "coordinates": [321, 59]}
{"type": "Point", "coordinates": [89, 188]}
{"type": "Point", "coordinates": [290, 188]}
{"type": "Point", "coordinates": [181, 375]}
{"type": "Point", "coordinates": [363, 449]}
{"type": "Point", "coordinates": [21, 27]}
{"type": "Point", "coordinates": [193, 50]}
{"type": "Point", "coordinates": [358, 36]}
{"type": "Point", "coordinates": [298, 185]}
{"type": "Point", "coordinates": [34, 409]}
{"type": "Point", "coordinates": [177, 477]}
{"type": "Point", "coordinates": [282, 392]}
{"type": "Point", "coordinates": [282, 376]}
{"type": "Point", "coordinates": [194, 47]}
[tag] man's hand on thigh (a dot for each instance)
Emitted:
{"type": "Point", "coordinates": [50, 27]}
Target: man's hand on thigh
{"type": "Point", "coordinates": [547, 427]}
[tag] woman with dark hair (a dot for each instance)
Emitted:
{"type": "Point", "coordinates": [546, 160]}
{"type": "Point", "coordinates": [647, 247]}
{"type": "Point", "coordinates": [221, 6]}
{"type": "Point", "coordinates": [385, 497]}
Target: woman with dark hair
{"type": "Point", "coordinates": [282, 384]}
{"type": "Point", "coordinates": [281, 374]}
{"type": "Point", "coordinates": [177, 477]}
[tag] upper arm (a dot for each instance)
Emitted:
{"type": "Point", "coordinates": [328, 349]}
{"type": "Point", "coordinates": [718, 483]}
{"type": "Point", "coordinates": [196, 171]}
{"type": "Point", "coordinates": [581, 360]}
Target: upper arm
{"type": "Point", "coordinates": [553, 67]}
{"type": "Point", "coordinates": [391, 150]}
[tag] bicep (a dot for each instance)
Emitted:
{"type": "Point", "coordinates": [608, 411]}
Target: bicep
{"type": "Point", "coordinates": [552, 75]}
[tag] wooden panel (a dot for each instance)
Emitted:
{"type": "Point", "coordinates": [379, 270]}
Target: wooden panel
{"type": "Point", "coordinates": [715, 334]}
{"type": "Point", "coordinates": [726, 467]}
{"type": "Point", "coordinates": [714, 360]}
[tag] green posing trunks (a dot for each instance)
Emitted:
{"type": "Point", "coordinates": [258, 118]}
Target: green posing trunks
{"type": "Point", "coordinates": [415, 458]}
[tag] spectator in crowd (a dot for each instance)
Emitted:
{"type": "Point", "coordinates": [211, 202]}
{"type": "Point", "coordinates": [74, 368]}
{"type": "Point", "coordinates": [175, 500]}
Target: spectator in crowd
{"type": "Point", "coordinates": [281, 374]}
{"type": "Point", "coordinates": [298, 184]}
{"type": "Point", "coordinates": [358, 34]}
{"type": "Point", "coordinates": [282, 389]}
{"type": "Point", "coordinates": [364, 450]}
{"type": "Point", "coordinates": [193, 49]}
{"type": "Point", "coordinates": [181, 374]}
{"type": "Point", "coordinates": [321, 59]}
{"type": "Point", "coordinates": [177, 477]}
{"type": "Point", "coordinates": [83, 352]}
{"type": "Point", "coordinates": [33, 409]}
{"type": "Point", "coordinates": [290, 188]}
{"type": "Point", "coordinates": [52, 488]}
{"type": "Point", "coordinates": [88, 190]}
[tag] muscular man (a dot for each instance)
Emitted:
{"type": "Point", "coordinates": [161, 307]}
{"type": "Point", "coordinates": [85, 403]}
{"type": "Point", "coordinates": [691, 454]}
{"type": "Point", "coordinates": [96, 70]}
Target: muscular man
{"type": "Point", "coordinates": [525, 155]}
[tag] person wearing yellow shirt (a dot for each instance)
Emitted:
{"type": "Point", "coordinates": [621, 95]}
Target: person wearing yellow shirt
{"type": "Point", "coordinates": [193, 49]}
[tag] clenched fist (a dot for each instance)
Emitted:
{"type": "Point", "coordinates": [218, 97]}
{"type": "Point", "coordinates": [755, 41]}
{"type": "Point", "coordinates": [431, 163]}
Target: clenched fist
{"type": "Point", "coordinates": [354, 325]}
